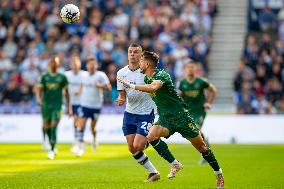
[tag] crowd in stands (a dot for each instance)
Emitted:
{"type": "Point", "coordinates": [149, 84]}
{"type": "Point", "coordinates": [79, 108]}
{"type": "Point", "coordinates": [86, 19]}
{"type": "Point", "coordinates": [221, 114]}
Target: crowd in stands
{"type": "Point", "coordinates": [31, 31]}
{"type": "Point", "coordinates": [259, 81]}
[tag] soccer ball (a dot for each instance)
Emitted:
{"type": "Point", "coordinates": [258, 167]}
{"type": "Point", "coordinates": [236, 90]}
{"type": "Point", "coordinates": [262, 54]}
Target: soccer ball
{"type": "Point", "coordinates": [70, 13]}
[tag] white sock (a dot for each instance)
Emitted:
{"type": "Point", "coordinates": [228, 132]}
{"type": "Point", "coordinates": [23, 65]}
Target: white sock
{"type": "Point", "coordinates": [150, 167]}
{"type": "Point", "coordinates": [142, 159]}
{"type": "Point", "coordinates": [175, 162]}
{"type": "Point", "coordinates": [218, 172]}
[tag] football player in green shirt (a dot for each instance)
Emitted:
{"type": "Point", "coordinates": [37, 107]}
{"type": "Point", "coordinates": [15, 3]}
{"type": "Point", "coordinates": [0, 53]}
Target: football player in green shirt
{"type": "Point", "coordinates": [192, 91]}
{"type": "Point", "coordinates": [173, 112]}
{"type": "Point", "coordinates": [50, 92]}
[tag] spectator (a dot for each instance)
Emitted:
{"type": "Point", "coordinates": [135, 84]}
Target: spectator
{"type": "Point", "coordinates": [31, 32]}
{"type": "Point", "coordinates": [63, 44]}
{"type": "Point", "coordinates": [267, 19]}
{"type": "Point", "coordinates": [25, 94]}
{"type": "Point", "coordinates": [3, 31]}
{"type": "Point", "coordinates": [120, 19]}
{"type": "Point", "coordinates": [260, 104]}
{"type": "Point", "coordinates": [274, 90]}
{"type": "Point", "coordinates": [244, 106]}
{"type": "Point", "coordinates": [280, 106]}
{"type": "Point", "coordinates": [11, 94]}
{"type": "Point", "coordinates": [10, 47]}
{"type": "Point", "coordinates": [119, 56]}
{"type": "Point", "coordinates": [5, 63]}
{"type": "Point", "coordinates": [245, 96]}
{"type": "Point", "coordinates": [26, 29]}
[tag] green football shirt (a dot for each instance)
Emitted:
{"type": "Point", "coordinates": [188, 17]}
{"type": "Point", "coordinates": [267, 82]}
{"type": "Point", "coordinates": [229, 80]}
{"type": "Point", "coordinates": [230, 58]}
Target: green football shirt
{"type": "Point", "coordinates": [193, 93]}
{"type": "Point", "coordinates": [168, 103]}
{"type": "Point", "coordinates": [53, 85]}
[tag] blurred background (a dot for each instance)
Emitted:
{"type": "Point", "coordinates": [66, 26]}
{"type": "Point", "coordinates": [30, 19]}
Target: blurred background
{"type": "Point", "coordinates": [238, 45]}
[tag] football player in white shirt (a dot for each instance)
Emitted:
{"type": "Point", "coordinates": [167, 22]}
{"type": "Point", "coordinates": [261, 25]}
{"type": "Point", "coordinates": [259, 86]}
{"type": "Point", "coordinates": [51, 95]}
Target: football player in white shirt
{"type": "Point", "coordinates": [139, 115]}
{"type": "Point", "coordinates": [91, 101]}
{"type": "Point", "coordinates": [75, 80]}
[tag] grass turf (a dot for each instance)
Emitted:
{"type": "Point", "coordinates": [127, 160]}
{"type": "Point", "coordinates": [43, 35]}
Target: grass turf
{"type": "Point", "coordinates": [112, 167]}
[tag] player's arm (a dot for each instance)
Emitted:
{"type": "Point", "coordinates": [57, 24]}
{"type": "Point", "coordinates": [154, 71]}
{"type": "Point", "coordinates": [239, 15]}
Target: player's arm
{"type": "Point", "coordinates": [67, 95]}
{"type": "Point", "coordinates": [39, 93]}
{"type": "Point", "coordinates": [121, 99]}
{"type": "Point", "coordinates": [79, 92]}
{"type": "Point", "coordinates": [211, 96]}
{"type": "Point", "coordinates": [104, 83]}
{"type": "Point", "coordinates": [106, 87]}
{"type": "Point", "coordinates": [148, 88]}
{"type": "Point", "coordinates": [67, 98]}
{"type": "Point", "coordinates": [180, 90]}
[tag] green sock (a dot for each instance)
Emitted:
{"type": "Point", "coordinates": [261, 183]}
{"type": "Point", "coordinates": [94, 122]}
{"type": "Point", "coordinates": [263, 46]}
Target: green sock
{"type": "Point", "coordinates": [52, 139]}
{"type": "Point", "coordinates": [162, 148]}
{"type": "Point", "coordinates": [48, 132]}
{"type": "Point", "coordinates": [94, 134]}
{"type": "Point", "coordinates": [210, 158]}
{"type": "Point", "coordinates": [44, 133]}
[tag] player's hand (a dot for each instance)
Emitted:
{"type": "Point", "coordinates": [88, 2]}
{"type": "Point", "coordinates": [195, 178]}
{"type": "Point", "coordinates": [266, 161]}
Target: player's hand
{"type": "Point", "coordinates": [124, 82]}
{"type": "Point", "coordinates": [207, 106]}
{"type": "Point", "coordinates": [120, 101]}
{"type": "Point", "coordinates": [99, 85]}
{"type": "Point", "coordinates": [39, 102]}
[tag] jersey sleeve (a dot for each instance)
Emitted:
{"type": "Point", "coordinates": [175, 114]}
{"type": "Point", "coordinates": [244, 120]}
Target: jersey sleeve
{"type": "Point", "coordinates": [64, 81]}
{"type": "Point", "coordinates": [41, 80]}
{"type": "Point", "coordinates": [163, 77]}
{"type": "Point", "coordinates": [104, 79]}
{"type": "Point", "coordinates": [180, 88]}
{"type": "Point", "coordinates": [120, 86]}
{"type": "Point", "coordinates": [205, 83]}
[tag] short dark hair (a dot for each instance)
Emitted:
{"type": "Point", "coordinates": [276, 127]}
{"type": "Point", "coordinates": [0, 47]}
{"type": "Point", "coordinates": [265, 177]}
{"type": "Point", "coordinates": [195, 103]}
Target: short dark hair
{"type": "Point", "coordinates": [134, 45]}
{"type": "Point", "coordinates": [91, 58]}
{"type": "Point", "coordinates": [152, 57]}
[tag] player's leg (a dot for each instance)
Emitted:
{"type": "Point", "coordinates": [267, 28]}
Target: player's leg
{"type": "Point", "coordinates": [136, 144]}
{"type": "Point", "coordinates": [155, 132]}
{"type": "Point", "coordinates": [94, 118]}
{"type": "Point", "coordinates": [75, 145]}
{"type": "Point", "coordinates": [94, 132]}
{"type": "Point", "coordinates": [187, 128]}
{"type": "Point", "coordinates": [45, 127]}
{"type": "Point", "coordinates": [84, 114]}
{"type": "Point", "coordinates": [56, 115]}
{"type": "Point", "coordinates": [139, 145]}
{"type": "Point", "coordinates": [208, 155]}
{"type": "Point", "coordinates": [199, 120]}
{"type": "Point", "coordinates": [80, 134]}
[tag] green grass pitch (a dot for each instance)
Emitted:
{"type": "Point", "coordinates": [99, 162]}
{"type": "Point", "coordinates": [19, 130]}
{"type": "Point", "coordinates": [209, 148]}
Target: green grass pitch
{"type": "Point", "coordinates": [112, 167]}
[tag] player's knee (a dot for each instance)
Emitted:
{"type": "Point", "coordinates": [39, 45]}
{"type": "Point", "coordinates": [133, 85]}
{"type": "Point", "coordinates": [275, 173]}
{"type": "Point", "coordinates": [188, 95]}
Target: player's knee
{"type": "Point", "coordinates": [138, 147]}
{"type": "Point", "coordinates": [131, 149]}
{"type": "Point", "coordinates": [152, 137]}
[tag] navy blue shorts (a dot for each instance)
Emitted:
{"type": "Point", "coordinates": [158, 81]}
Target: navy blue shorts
{"type": "Point", "coordinates": [137, 124]}
{"type": "Point", "coordinates": [75, 109]}
{"type": "Point", "coordinates": [86, 113]}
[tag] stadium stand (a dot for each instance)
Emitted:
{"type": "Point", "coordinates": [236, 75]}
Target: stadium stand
{"type": "Point", "coordinates": [31, 31]}
{"type": "Point", "coordinates": [259, 80]}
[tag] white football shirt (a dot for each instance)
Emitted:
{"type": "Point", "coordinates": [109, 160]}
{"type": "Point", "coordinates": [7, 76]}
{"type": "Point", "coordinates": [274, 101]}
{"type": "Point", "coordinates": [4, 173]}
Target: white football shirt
{"type": "Point", "coordinates": [75, 81]}
{"type": "Point", "coordinates": [137, 102]}
{"type": "Point", "coordinates": [92, 97]}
